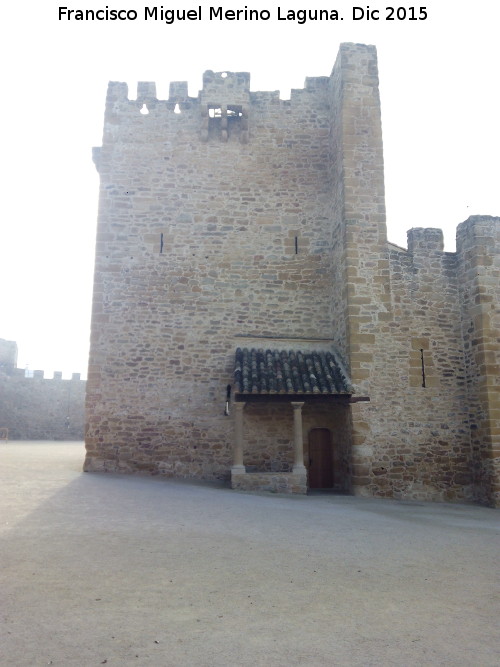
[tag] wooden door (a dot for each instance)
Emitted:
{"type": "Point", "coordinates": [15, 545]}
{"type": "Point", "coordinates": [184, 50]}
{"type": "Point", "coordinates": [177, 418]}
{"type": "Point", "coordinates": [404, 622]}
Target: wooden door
{"type": "Point", "coordinates": [320, 459]}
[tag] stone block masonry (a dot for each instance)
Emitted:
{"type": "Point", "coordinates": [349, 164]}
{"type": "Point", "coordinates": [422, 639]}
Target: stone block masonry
{"type": "Point", "coordinates": [237, 216]}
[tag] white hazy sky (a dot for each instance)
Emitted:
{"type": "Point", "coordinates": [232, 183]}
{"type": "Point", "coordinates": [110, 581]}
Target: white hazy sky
{"type": "Point", "coordinates": [440, 90]}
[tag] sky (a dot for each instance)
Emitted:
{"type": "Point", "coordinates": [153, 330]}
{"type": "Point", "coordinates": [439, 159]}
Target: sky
{"type": "Point", "coordinates": [440, 94]}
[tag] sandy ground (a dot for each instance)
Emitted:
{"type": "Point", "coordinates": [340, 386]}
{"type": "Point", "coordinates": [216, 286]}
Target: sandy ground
{"type": "Point", "coordinates": [122, 570]}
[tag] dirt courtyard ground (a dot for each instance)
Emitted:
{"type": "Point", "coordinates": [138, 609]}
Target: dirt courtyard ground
{"type": "Point", "coordinates": [127, 570]}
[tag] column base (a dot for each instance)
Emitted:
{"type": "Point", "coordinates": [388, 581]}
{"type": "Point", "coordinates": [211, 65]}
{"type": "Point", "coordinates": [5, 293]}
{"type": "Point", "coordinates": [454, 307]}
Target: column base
{"type": "Point", "coordinates": [270, 482]}
{"type": "Point", "coordinates": [238, 470]}
{"type": "Point", "coordinates": [301, 470]}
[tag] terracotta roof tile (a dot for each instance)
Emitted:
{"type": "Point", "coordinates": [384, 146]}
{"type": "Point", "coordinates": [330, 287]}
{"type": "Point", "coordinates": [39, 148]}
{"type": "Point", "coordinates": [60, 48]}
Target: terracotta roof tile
{"type": "Point", "coordinates": [289, 372]}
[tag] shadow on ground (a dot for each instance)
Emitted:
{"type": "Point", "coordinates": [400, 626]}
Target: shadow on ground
{"type": "Point", "coordinates": [107, 569]}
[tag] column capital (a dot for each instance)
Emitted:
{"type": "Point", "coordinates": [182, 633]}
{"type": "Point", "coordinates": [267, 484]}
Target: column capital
{"type": "Point", "coordinates": [297, 404]}
{"type": "Point", "coordinates": [239, 405]}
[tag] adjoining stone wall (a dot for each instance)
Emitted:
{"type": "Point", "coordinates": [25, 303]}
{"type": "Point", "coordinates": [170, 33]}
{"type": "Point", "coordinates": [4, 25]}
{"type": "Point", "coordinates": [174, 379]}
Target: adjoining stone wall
{"type": "Point", "coordinates": [427, 451]}
{"type": "Point", "coordinates": [398, 309]}
{"type": "Point", "coordinates": [36, 408]}
{"type": "Point", "coordinates": [436, 386]}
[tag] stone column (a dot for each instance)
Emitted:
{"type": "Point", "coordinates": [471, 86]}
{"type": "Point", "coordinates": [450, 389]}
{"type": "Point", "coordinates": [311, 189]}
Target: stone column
{"type": "Point", "coordinates": [238, 467]}
{"type": "Point", "coordinates": [298, 444]}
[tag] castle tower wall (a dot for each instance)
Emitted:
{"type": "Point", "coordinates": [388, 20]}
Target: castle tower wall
{"type": "Point", "coordinates": [478, 250]}
{"type": "Point", "coordinates": [213, 232]}
{"type": "Point", "coordinates": [236, 219]}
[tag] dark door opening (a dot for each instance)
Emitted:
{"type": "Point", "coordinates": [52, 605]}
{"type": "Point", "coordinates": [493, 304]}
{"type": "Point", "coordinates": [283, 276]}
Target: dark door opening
{"type": "Point", "coordinates": [320, 459]}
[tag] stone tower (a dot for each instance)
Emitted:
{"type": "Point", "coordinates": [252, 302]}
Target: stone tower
{"type": "Point", "coordinates": [251, 321]}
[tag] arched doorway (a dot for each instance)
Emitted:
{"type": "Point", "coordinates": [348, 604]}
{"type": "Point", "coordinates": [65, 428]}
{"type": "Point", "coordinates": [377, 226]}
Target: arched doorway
{"type": "Point", "coordinates": [320, 459]}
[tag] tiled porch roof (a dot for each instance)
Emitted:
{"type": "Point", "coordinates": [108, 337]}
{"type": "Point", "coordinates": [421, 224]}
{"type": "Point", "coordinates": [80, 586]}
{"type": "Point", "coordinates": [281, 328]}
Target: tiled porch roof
{"type": "Point", "coordinates": [289, 372]}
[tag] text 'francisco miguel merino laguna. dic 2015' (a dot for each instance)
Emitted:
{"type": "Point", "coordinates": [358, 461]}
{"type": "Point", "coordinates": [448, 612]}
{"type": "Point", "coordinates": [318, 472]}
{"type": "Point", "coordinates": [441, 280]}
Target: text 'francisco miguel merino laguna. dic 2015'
{"type": "Point", "coordinates": [199, 13]}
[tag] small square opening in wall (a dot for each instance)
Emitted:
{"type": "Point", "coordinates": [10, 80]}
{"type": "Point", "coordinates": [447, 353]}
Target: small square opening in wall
{"type": "Point", "coordinates": [223, 121]}
{"type": "Point", "coordinates": [234, 112]}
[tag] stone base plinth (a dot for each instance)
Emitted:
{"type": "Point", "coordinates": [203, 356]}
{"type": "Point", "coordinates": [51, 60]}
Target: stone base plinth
{"type": "Point", "coordinates": [272, 482]}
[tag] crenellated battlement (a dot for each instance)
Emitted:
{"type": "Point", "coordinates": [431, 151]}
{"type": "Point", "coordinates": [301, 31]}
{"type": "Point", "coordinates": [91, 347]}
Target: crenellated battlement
{"type": "Point", "coordinates": [232, 87]}
{"type": "Point", "coordinates": [228, 86]}
{"type": "Point", "coordinates": [424, 240]}
{"type": "Point", "coordinates": [223, 87]}
{"type": "Point", "coordinates": [8, 365]}
{"type": "Point", "coordinates": [220, 89]}
{"type": "Point", "coordinates": [40, 375]}
{"type": "Point", "coordinates": [225, 110]}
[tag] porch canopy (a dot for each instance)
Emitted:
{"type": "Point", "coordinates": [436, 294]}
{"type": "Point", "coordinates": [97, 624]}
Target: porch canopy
{"type": "Point", "coordinates": [274, 375]}
{"type": "Point", "coordinates": [292, 376]}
